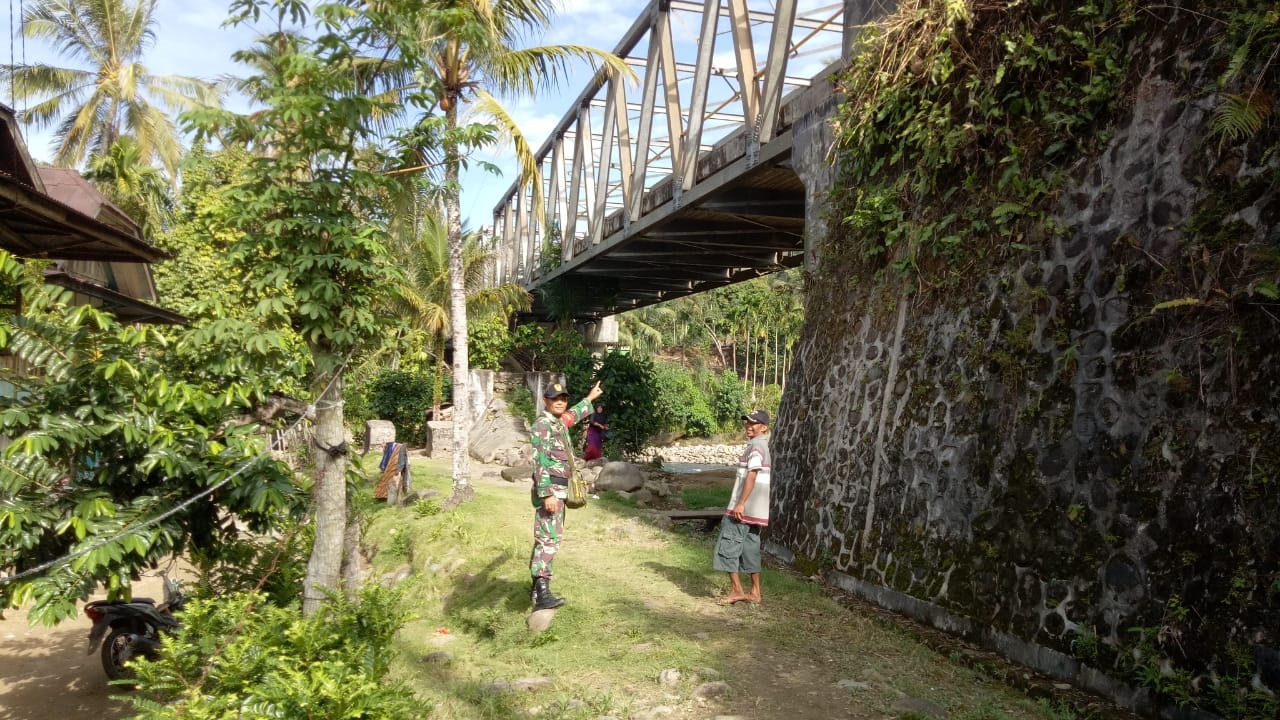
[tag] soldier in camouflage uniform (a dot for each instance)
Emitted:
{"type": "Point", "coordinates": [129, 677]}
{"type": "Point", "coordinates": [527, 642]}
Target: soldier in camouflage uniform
{"type": "Point", "coordinates": [552, 465]}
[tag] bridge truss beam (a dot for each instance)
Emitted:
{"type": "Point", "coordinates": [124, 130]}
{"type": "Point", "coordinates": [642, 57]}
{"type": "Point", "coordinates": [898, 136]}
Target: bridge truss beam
{"type": "Point", "coordinates": [686, 186]}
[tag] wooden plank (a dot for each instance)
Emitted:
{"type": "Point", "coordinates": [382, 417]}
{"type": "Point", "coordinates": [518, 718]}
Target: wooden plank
{"type": "Point", "coordinates": [707, 514]}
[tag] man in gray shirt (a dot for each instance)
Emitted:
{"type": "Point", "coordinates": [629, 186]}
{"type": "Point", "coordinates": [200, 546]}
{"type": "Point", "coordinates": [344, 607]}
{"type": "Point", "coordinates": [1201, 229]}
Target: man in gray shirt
{"type": "Point", "coordinates": [738, 548]}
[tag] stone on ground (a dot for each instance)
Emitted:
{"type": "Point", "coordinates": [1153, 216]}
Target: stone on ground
{"type": "Point", "coordinates": [621, 476]}
{"type": "Point", "coordinates": [521, 685]}
{"type": "Point", "coordinates": [540, 620]}
{"type": "Point", "coordinates": [920, 706]}
{"type": "Point", "coordinates": [713, 689]}
{"type": "Point", "coordinates": [519, 473]}
{"type": "Point", "coordinates": [653, 713]}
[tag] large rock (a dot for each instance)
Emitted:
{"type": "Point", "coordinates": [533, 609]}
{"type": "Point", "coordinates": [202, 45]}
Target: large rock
{"type": "Point", "coordinates": [621, 476]}
{"type": "Point", "coordinates": [498, 436]}
{"type": "Point", "coordinates": [519, 473]}
{"type": "Point", "coordinates": [439, 438]}
{"type": "Point", "coordinates": [377, 433]}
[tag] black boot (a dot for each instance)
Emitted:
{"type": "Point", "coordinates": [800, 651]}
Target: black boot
{"type": "Point", "coordinates": [542, 597]}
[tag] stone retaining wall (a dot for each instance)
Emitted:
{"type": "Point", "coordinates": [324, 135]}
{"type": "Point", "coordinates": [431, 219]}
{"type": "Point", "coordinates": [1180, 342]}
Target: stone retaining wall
{"type": "Point", "coordinates": [1056, 461]}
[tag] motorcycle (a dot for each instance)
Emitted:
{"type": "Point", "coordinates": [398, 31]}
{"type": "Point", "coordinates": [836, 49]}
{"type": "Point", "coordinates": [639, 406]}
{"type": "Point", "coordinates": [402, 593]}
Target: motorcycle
{"type": "Point", "coordinates": [136, 627]}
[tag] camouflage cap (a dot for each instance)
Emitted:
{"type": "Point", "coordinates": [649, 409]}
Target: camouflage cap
{"type": "Point", "coordinates": [554, 390]}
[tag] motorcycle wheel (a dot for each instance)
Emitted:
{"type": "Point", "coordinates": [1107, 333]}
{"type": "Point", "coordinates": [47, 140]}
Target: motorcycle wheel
{"type": "Point", "coordinates": [117, 650]}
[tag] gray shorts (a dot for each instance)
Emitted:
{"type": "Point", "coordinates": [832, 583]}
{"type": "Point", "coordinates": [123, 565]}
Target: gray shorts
{"type": "Point", "coordinates": [738, 549]}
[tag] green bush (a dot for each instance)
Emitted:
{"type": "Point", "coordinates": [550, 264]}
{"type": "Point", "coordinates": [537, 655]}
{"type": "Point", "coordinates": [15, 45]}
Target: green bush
{"type": "Point", "coordinates": [629, 400]}
{"type": "Point", "coordinates": [535, 347]}
{"type": "Point", "coordinates": [426, 507]}
{"type": "Point", "coordinates": [241, 656]}
{"type": "Point", "coordinates": [520, 401]}
{"type": "Point", "coordinates": [681, 405]}
{"type": "Point", "coordinates": [273, 565]}
{"type": "Point", "coordinates": [728, 399]}
{"type": "Point", "coordinates": [403, 398]}
{"type": "Point", "coordinates": [488, 342]}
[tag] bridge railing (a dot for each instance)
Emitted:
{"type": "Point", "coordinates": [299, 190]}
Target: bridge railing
{"type": "Point", "coordinates": [624, 148]}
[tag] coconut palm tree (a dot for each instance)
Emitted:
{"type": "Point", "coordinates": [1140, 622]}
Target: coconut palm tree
{"type": "Point", "coordinates": [472, 56]}
{"type": "Point", "coordinates": [133, 185]}
{"type": "Point", "coordinates": [113, 94]}
{"type": "Point", "coordinates": [423, 298]}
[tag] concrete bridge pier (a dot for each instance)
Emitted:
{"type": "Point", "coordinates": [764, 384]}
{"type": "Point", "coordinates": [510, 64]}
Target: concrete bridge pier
{"type": "Point", "coordinates": [600, 334]}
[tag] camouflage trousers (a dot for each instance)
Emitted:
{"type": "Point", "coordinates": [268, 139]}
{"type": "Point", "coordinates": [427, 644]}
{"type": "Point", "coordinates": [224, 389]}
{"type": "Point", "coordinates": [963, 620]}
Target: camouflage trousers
{"type": "Point", "coordinates": [548, 528]}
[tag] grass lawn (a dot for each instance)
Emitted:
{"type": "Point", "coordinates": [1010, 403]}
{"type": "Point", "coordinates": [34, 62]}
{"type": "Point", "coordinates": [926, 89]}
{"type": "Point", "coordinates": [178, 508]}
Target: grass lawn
{"type": "Point", "coordinates": [641, 601]}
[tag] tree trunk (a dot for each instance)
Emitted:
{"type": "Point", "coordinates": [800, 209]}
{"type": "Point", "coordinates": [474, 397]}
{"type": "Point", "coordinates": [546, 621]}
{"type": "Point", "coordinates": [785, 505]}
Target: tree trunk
{"type": "Point", "coordinates": [330, 493]}
{"type": "Point", "coordinates": [777, 359]}
{"type": "Point", "coordinates": [437, 390]}
{"type": "Point", "coordinates": [462, 490]}
{"type": "Point", "coordinates": [352, 560]}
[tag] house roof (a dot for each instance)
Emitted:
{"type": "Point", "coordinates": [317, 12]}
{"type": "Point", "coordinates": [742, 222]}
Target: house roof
{"type": "Point", "coordinates": [59, 222]}
{"type": "Point", "coordinates": [125, 308]}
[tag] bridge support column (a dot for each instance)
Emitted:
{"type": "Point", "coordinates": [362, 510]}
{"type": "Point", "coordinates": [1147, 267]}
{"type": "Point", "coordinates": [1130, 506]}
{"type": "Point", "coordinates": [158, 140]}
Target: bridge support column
{"type": "Point", "coordinates": [811, 158]}
{"type": "Point", "coordinates": [601, 334]}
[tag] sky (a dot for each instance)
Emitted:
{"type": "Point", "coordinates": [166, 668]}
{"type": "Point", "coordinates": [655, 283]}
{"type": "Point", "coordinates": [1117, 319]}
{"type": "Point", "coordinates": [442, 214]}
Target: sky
{"type": "Point", "coordinates": [190, 40]}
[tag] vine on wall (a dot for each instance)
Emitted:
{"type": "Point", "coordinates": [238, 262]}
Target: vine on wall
{"type": "Point", "coordinates": [960, 120]}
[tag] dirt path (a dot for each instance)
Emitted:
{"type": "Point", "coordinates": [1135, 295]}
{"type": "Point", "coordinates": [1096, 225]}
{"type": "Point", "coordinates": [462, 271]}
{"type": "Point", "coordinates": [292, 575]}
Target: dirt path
{"type": "Point", "coordinates": [45, 673]}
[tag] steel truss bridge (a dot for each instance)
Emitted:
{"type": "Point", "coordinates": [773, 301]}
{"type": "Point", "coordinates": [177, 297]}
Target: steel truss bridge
{"type": "Point", "coordinates": [684, 181]}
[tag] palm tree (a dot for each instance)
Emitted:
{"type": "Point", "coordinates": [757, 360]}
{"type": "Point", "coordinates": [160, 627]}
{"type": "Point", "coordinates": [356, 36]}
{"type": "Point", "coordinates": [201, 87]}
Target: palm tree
{"type": "Point", "coordinates": [472, 56]}
{"type": "Point", "coordinates": [422, 245]}
{"type": "Point", "coordinates": [643, 329]}
{"type": "Point", "coordinates": [137, 188]}
{"type": "Point", "coordinates": [115, 95]}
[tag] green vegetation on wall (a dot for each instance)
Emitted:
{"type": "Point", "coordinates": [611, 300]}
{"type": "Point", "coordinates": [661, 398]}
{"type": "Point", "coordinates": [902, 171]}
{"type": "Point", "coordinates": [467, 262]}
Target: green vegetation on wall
{"type": "Point", "coordinates": [960, 123]}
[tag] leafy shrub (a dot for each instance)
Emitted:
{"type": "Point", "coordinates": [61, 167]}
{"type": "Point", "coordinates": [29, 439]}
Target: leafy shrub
{"type": "Point", "coordinates": [579, 370]}
{"type": "Point", "coordinates": [630, 397]}
{"type": "Point", "coordinates": [274, 565]}
{"type": "Point", "coordinates": [681, 405]}
{"type": "Point", "coordinates": [241, 656]}
{"type": "Point", "coordinates": [728, 399]}
{"type": "Point", "coordinates": [488, 341]}
{"type": "Point", "coordinates": [426, 507]}
{"type": "Point", "coordinates": [537, 348]}
{"type": "Point", "coordinates": [104, 428]}
{"type": "Point", "coordinates": [520, 401]}
{"type": "Point", "coordinates": [403, 398]}
{"type": "Point", "coordinates": [401, 544]}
